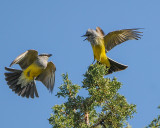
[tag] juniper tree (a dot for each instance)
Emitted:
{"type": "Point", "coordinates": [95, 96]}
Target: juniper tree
{"type": "Point", "coordinates": [155, 122]}
{"type": "Point", "coordinates": [104, 107]}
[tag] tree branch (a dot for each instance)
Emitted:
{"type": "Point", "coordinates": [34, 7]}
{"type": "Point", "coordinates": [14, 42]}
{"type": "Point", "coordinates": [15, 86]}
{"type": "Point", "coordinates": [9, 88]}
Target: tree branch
{"type": "Point", "coordinates": [86, 117]}
{"type": "Point", "coordinates": [100, 122]}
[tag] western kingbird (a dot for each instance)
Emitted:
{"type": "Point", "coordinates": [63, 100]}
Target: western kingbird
{"type": "Point", "coordinates": [34, 67]}
{"type": "Point", "coordinates": [102, 43]}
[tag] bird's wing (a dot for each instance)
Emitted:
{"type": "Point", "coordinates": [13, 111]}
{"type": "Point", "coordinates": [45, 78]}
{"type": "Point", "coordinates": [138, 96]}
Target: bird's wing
{"type": "Point", "coordinates": [25, 59]}
{"type": "Point", "coordinates": [47, 77]}
{"type": "Point", "coordinates": [117, 37]}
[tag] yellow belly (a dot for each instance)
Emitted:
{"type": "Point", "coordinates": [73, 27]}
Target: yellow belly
{"type": "Point", "coordinates": [100, 54]}
{"type": "Point", "coordinates": [32, 71]}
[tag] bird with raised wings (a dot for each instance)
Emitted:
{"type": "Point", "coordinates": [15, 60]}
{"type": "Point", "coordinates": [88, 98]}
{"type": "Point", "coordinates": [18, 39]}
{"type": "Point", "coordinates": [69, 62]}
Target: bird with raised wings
{"type": "Point", "coordinates": [34, 67]}
{"type": "Point", "coordinates": [101, 44]}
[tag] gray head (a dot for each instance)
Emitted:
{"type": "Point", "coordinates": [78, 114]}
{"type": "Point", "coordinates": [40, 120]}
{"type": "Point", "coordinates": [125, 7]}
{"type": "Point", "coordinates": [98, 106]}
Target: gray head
{"type": "Point", "coordinates": [45, 56]}
{"type": "Point", "coordinates": [91, 34]}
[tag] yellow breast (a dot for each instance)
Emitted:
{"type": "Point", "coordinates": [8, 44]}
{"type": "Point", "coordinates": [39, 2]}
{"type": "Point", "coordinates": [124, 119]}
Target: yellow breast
{"type": "Point", "coordinates": [99, 52]}
{"type": "Point", "coordinates": [32, 71]}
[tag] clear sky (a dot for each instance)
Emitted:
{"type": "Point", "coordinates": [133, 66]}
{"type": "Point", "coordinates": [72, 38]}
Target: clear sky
{"type": "Point", "coordinates": [56, 27]}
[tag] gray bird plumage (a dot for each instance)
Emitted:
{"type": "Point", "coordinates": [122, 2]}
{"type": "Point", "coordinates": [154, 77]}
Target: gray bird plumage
{"type": "Point", "coordinates": [27, 88]}
{"type": "Point", "coordinates": [102, 43]}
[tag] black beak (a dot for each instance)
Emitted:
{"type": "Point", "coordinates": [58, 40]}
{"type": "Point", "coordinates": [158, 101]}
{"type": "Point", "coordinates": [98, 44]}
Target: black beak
{"type": "Point", "coordinates": [84, 36]}
{"type": "Point", "coordinates": [49, 55]}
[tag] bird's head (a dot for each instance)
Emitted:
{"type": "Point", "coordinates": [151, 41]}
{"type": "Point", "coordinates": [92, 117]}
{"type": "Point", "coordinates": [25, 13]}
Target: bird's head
{"type": "Point", "coordinates": [90, 35]}
{"type": "Point", "coordinates": [45, 55]}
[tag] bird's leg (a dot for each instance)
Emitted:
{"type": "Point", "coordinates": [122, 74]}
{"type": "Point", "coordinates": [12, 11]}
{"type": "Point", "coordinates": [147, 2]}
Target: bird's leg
{"type": "Point", "coordinates": [93, 61]}
{"type": "Point", "coordinates": [98, 62]}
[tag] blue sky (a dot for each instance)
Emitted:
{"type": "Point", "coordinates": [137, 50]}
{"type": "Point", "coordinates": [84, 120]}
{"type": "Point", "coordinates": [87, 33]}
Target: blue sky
{"type": "Point", "coordinates": [56, 27]}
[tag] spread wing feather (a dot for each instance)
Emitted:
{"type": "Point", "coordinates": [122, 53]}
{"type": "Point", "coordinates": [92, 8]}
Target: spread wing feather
{"type": "Point", "coordinates": [117, 37]}
{"type": "Point", "coordinates": [47, 77]}
{"type": "Point", "coordinates": [25, 59]}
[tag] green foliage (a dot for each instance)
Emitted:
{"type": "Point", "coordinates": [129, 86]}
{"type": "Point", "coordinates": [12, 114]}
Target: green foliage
{"type": "Point", "coordinates": [103, 108]}
{"type": "Point", "coordinates": [155, 123]}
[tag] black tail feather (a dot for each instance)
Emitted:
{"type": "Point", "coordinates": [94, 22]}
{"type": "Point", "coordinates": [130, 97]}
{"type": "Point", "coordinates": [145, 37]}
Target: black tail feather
{"type": "Point", "coordinates": [35, 91]}
{"type": "Point", "coordinates": [17, 89]}
{"type": "Point", "coordinates": [28, 91]}
{"type": "Point", "coordinates": [32, 92]}
{"type": "Point", "coordinates": [23, 92]}
{"type": "Point", "coordinates": [12, 78]}
{"type": "Point", "coordinates": [12, 82]}
{"type": "Point", "coordinates": [11, 74]}
{"type": "Point", "coordinates": [115, 66]}
{"type": "Point", "coordinates": [12, 70]}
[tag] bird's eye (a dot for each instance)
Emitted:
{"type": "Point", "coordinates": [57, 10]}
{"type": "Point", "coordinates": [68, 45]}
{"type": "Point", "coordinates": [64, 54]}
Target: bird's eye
{"type": "Point", "coordinates": [88, 34]}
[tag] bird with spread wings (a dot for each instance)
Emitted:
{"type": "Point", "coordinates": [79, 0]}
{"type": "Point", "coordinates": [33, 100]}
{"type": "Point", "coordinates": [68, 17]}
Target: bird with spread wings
{"type": "Point", "coordinates": [34, 67]}
{"type": "Point", "coordinates": [101, 44]}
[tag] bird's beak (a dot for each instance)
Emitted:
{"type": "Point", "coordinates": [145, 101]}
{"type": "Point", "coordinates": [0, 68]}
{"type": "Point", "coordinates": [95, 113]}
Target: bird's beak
{"type": "Point", "coordinates": [49, 55]}
{"type": "Point", "coordinates": [84, 36]}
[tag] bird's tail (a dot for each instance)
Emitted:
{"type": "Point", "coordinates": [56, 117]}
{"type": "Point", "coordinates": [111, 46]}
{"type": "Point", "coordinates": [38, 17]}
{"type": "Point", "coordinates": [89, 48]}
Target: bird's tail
{"type": "Point", "coordinates": [115, 66]}
{"type": "Point", "coordinates": [13, 78]}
